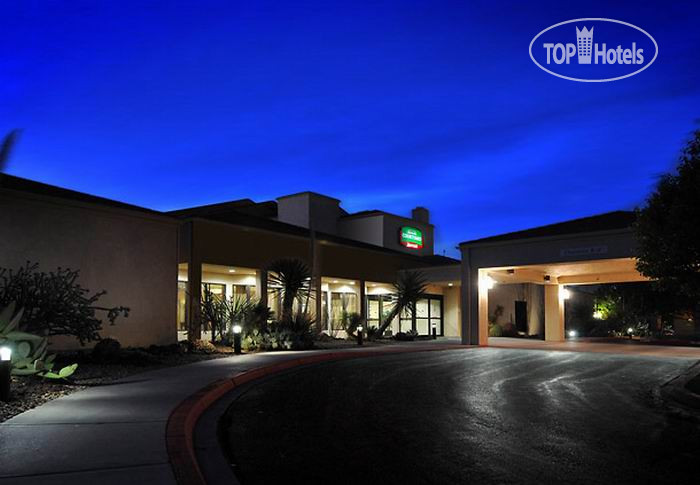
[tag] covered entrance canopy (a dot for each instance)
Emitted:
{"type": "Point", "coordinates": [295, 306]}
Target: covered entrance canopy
{"type": "Point", "coordinates": [592, 250]}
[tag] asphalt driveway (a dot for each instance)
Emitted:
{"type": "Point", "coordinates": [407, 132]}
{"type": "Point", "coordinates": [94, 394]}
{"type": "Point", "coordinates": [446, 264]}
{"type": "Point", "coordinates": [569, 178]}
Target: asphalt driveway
{"type": "Point", "coordinates": [478, 416]}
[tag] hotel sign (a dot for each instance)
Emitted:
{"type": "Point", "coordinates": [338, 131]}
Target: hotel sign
{"type": "Point", "coordinates": [411, 237]}
{"type": "Point", "coordinates": [583, 251]}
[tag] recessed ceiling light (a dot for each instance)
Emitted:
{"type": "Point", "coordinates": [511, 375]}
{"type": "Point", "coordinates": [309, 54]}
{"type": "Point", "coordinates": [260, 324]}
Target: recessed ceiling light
{"type": "Point", "coordinates": [352, 282]}
{"type": "Point", "coordinates": [232, 270]}
{"type": "Point", "coordinates": [450, 284]}
{"type": "Point", "coordinates": [335, 281]}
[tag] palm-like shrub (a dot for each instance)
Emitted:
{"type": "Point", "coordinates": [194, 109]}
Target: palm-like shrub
{"type": "Point", "coordinates": [290, 280]}
{"type": "Point", "coordinates": [222, 314]}
{"type": "Point", "coordinates": [410, 287]}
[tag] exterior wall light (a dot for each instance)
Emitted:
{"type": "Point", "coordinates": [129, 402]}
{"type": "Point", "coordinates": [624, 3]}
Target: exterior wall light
{"type": "Point", "coordinates": [237, 329]}
{"type": "Point", "coordinates": [5, 354]}
{"type": "Point", "coordinates": [5, 370]}
{"type": "Point", "coordinates": [487, 283]}
{"type": "Point", "coordinates": [573, 333]}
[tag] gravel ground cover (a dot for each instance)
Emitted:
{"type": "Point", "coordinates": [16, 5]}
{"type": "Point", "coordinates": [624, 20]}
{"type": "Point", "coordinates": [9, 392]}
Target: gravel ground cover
{"type": "Point", "coordinates": [30, 392]}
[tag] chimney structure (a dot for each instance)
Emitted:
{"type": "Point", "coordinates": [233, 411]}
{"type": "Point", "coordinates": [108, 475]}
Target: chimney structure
{"type": "Point", "coordinates": [421, 214]}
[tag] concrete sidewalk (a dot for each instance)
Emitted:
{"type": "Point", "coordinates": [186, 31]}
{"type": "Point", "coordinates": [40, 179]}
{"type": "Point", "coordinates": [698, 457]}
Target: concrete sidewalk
{"type": "Point", "coordinates": [115, 434]}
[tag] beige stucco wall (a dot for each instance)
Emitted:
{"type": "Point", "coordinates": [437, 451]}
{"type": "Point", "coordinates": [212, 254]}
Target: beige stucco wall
{"type": "Point", "coordinates": [131, 254]}
{"type": "Point", "coordinates": [452, 317]}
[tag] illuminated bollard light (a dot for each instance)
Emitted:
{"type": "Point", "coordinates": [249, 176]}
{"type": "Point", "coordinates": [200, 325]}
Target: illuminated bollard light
{"type": "Point", "coordinates": [237, 339]}
{"type": "Point", "coordinates": [359, 335]}
{"type": "Point", "coordinates": [5, 370]}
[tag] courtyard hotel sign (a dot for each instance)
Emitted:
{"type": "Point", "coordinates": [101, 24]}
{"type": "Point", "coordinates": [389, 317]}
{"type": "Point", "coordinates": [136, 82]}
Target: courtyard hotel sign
{"type": "Point", "coordinates": [411, 237]}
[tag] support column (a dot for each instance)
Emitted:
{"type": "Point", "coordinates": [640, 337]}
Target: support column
{"type": "Point", "coordinates": [194, 297]}
{"type": "Point", "coordinates": [553, 313]}
{"type": "Point", "coordinates": [483, 296]}
{"type": "Point", "coordinates": [262, 286]}
{"type": "Point", "coordinates": [469, 298]}
{"type": "Point", "coordinates": [363, 302]}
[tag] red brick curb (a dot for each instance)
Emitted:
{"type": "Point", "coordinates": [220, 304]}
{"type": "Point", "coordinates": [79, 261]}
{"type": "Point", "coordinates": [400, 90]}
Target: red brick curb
{"type": "Point", "coordinates": [179, 431]}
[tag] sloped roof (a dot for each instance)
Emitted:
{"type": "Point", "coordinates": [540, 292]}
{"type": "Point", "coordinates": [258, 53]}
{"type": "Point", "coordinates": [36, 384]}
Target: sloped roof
{"type": "Point", "coordinates": [20, 184]}
{"type": "Point", "coordinates": [608, 221]}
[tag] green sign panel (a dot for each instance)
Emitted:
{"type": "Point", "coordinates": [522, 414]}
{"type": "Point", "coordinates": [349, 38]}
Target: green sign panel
{"type": "Point", "coordinates": [411, 237]}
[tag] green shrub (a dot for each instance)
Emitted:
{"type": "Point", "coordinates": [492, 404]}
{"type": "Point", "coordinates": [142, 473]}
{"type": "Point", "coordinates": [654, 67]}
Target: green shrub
{"type": "Point", "coordinates": [495, 330]}
{"type": "Point", "coordinates": [293, 333]}
{"type": "Point", "coordinates": [408, 336]}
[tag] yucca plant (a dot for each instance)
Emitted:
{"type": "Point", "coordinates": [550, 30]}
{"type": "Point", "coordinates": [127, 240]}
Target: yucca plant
{"type": "Point", "coordinates": [410, 287]}
{"type": "Point", "coordinates": [290, 279]}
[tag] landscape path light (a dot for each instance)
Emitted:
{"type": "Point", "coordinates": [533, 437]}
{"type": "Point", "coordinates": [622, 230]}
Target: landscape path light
{"type": "Point", "coordinates": [359, 334]}
{"type": "Point", "coordinates": [237, 329]}
{"type": "Point", "coordinates": [5, 370]}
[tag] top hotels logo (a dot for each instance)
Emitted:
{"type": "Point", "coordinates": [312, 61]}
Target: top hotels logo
{"type": "Point", "coordinates": [620, 50]}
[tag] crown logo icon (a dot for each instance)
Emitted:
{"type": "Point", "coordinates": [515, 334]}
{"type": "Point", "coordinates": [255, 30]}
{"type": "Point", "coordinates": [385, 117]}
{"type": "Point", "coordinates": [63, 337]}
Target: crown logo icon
{"type": "Point", "coordinates": [584, 44]}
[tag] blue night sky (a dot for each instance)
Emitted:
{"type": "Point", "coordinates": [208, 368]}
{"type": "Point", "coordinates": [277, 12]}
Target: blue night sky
{"type": "Point", "coordinates": [384, 105]}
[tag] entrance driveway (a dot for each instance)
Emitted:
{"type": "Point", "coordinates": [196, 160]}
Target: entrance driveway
{"type": "Point", "coordinates": [632, 348]}
{"type": "Point", "coordinates": [489, 415]}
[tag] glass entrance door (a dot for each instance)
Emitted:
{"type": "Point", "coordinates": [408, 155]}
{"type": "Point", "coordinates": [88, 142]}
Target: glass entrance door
{"type": "Point", "coordinates": [428, 315]}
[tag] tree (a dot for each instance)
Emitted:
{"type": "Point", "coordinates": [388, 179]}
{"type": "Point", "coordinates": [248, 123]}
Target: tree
{"type": "Point", "coordinates": [290, 279]}
{"type": "Point", "coordinates": [668, 230]}
{"type": "Point", "coordinates": [410, 287]}
{"type": "Point", "coordinates": [55, 303]}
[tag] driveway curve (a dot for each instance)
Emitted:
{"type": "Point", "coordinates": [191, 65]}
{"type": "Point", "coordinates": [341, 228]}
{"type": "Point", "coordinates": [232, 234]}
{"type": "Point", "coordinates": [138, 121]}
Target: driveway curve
{"type": "Point", "coordinates": [484, 416]}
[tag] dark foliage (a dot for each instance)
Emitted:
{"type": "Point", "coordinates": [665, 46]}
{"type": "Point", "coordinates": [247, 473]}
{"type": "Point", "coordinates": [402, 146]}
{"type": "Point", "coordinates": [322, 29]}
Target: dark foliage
{"type": "Point", "coordinates": [106, 350]}
{"type": "Point", "coordinates": [668, 230]}
{"type": "Point", "coordinates": [55, 303]}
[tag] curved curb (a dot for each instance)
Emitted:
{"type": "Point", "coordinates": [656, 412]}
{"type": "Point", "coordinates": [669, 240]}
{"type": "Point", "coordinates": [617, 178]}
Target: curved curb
{"type": "Point", "coordinates": [676, 389]}
{"type": "Point", "coordinates": [179, 431]}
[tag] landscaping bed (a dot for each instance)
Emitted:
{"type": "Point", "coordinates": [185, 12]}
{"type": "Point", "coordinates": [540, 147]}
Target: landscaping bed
{"type": "Point", "coordinates": [31, 391]}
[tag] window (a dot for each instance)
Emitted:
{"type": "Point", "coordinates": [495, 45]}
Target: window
{"type": "Point", "coordinates": [247, 292]}
{"type": "Point", "coordinates": [378, 308]}
{"type": "Point", "coordinates": [341, 305]}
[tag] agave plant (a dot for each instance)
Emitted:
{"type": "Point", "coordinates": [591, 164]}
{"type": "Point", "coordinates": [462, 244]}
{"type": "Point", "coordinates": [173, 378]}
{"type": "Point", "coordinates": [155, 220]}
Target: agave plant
{"type": "Point", "coordinates": [28, 350]}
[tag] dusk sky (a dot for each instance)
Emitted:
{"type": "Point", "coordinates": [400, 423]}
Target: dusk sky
{"type": "Point", "coordinates": [384, 105]}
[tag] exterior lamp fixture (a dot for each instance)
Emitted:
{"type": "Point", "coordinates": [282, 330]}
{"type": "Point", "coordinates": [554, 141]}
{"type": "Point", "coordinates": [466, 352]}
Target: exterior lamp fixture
{"type": "Point", "coordinates": [573, 333]}
{"type": "Point", "coordinates": [5, 369]}
{"type": "Point", "coordinates": [630, 331]}
{"type": "Point", "coordinates": [434, 330]}
{"type": "Point", "coordinates": [450, 284]}
{"type": "Point", "coordinates": [359, 334]}
{"type": "Point", "coordinates": [487, 283]}
{"type": "Point", "coordinates": [237, 329]}
{"type": "Point", "coordinates": [232, 270]}
{"type": "Point", "coordinates": [565, 294]}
